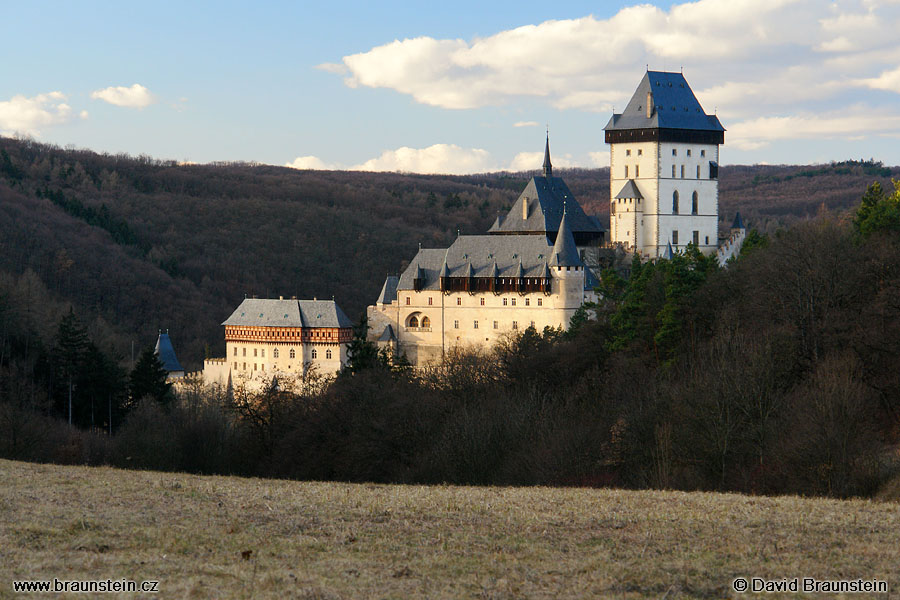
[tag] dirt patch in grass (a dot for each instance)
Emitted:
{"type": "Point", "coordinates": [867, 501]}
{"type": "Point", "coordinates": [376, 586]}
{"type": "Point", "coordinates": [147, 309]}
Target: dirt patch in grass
{"type": "Point", "coordinates": [228, 537]}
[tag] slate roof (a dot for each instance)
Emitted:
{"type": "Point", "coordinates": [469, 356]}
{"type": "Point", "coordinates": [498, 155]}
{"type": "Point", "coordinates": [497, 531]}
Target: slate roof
{"type": "Point", "coordinates": [166, 353]}
{"type": "Point", "coordinates": [548, 166]}
{"type": "Point", "coordinates": [388, 290]}
{"type": "Point", "coordinates": [266, 312]}
{"type": "Point", "coordinates": [668, 254]}
{"type": "Point", "coordinates": [629, 190]}
{"type": "Point", "coordinates": [565, 253]}
{"type": "Point", "coordinates": [387, 335]}
{"type": "Point", "coordinates": [738, 222]}
{"type": "Point", "coordinates": [547, 197]}
{"type": "Point", "coordinates": [674, 106]}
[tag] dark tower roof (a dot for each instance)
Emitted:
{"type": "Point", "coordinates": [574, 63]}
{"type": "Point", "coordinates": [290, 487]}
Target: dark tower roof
{"type": "Point", "coordinates": [564, 253]}
{"type": "Point", "coordinates": [548, 168]}
{"type": "Point", "coordinates": [663, 105]}
{"type": "Point", "coordinates": [166, 353]}
{"type": "Point", "coordinates": [738, 222]}
{"type": "Point", "coordinates": [629, 190]}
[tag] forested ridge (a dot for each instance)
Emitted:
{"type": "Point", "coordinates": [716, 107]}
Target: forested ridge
{"type": "Point", "coordinates": [775, 375]}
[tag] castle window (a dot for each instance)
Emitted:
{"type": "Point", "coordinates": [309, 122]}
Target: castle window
{"type": "Point", "coordinates": [698, 171]}
{"type": "Point", "coordinates": [413, 321]}
{"type": "Point", "coordinates": [328, 354]}
{"type": "Point", "coordinates": [426, 322]}
{"type": "Point", "coordinates": [540, 301]}
{"type": "Point", "coordinates": [407, 300]}
{"type": "Point", "coordinates": [475, 325]}
{"type": "Point", "coordinates": [682, 171]}
{"type": "Point", "coordinates": [532, 324]}
{"type": "Point", "coordinates": [696, 238]}
{"type": "Point", "coordinates": [313, 354]}
{"type": "Point", "coordinates": [707, 240]}
{"type": "Point", "coordinates": [275, 353]}
{"type": "Point", "coordinates": [612, 208]}
{"type": "Point", "coordinates": [515, 324]}
{"type": "Point", "coordinates": [673, 175]}
{"type": "Point", "coordinates": [262, 366]}
{"type": "Point", "coordinates": [482, 301]}
{"type": "Point", "coordinates": [694, 203]}
{"type": "Point", "coordinates": [674, 152]}
{"type": "Point", "coordinates": [637, 170]}
{"type": "Point", "coordinates": [245, 367]}
{"type": "Point", "coordinates": [628, 153]}
{"type": "Point", "coordinates": [513, 301]}
{"type": "Point", "coordinates": [527, 301]}
{"type": "Point", "coordinates": [235, 365]}
{"type": "Point", "coordinates": [504, 302]}
{"type": "Point", "coordinates": [456, 324]}
{"type": "Point", "coordinates": [293, 354]}
{"type": "Point", "coordinates": [496, 325]}
{"type": "Point", "coordinates": [626, 171]}
{"type": "Point", "coordinates": [675, 201]}
{"type": "Point", "coordinates": [689, 152]}
{"type": "Point", "coordinates": [640, 152]}
{"type": "Point", "coordinates": [458, 301]}
{"type": "Point", "coordinates": [703, 153]}
{"type": "Point", "coordinates": [429, 300]}
{"type": "Point", "coordinates": [675, 238]}
{"type": "Point", "coordinates": [254, 366]}
{"type": "Point", "coordinates": [235, 350]}
{"type": "Point", "coordinates": [245, 351]}
{"type": "Point", "coordinates": [263, 352]}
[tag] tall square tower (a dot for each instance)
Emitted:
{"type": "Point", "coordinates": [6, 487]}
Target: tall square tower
{"type": "Point", "coordinates": [664, 169]}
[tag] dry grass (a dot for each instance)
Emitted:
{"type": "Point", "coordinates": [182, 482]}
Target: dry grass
{"type": "Point", "coordinates": [328, 540]}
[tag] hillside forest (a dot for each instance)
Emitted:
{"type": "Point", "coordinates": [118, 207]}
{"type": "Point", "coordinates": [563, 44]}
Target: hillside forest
{"type": "Point", "coordinates": [775, 375]}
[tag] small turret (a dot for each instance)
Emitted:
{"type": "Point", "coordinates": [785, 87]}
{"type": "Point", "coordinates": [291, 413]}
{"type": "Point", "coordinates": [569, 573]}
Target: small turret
{"type": "Point", "coordinates": [565, 253]}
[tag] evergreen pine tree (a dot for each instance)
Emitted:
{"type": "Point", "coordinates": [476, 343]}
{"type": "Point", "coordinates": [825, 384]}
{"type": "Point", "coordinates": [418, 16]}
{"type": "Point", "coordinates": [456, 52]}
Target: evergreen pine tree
{"type": "Point", "coordinates": [71, 341]}
{"type": "Point", "coordinates": [148, 379]}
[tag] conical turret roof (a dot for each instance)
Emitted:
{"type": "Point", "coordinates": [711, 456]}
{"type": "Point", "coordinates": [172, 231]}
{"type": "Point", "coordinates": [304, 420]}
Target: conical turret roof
{"type": "Point", "coordinates": [565, 253]}
{"type": "Point", "coordinates": [166, 353]}
{"type": "Point", "coordinates": [548, 167]}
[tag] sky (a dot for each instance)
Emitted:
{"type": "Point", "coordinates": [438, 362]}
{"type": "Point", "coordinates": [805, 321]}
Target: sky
{"type": "Point", "coordinates": [461, 87]}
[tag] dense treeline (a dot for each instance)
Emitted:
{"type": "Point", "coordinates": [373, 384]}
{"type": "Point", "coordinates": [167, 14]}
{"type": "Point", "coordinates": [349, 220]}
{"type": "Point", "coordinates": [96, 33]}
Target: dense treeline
{"type": "Point", "coordinates": [775, 375]}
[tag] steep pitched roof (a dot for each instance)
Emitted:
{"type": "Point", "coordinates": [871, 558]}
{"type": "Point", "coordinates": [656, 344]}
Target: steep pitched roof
{"type": "Point", "coordinates": [668, 254]}
{"type": "Point", "coordinates": [387, 335]}
{"type": "Point", "coordinates": [548, 167]}
{"type": "Point", "coordinates": [629, 190]}
{"type": "Point", "coordinates": [388, 290]}
{"type": "Point", "coordinates": [738, 222]}
{"type": "Point", "coordinates": [266, 312]}
{"type": "Point", "coordinates": [674, 106]}
{"type": "Point", "coordinates": [546, 197]}
{"type": "Point", "coordinates": [565, 253]}
{"type": "Point", "coordinates": [166, 353]}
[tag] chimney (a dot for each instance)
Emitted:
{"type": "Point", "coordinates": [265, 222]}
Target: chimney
{"type": "Point", "coordinates": [524, 209]}
{"type": "Point", "coordinates": [281, 297]}
{"type": "Point", "coordinates": [649, 104]}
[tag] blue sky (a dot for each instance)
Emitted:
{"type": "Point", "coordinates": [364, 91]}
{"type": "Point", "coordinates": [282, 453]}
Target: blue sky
{"type": "Point", "coordinates": [445, 87]}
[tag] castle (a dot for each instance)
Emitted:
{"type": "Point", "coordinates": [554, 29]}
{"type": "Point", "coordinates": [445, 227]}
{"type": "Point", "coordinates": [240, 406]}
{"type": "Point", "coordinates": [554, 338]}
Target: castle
{"type": "Point", "coordinates": [535, 266]}
{"type": "Point", "coordinates": [538, 264]}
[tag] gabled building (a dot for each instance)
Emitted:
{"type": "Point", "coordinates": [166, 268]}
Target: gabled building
{"type": "Point", "coordinates": [664, 169]}
{"type": "Point", "coordinates": [526, 271]}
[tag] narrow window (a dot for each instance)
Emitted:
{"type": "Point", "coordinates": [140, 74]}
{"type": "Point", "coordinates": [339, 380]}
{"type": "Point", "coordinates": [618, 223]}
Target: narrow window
{"type": "Point", "coordinates": [540, 301]}
{"type": "Point", "coordinates": [527, 301]}
{"type": "Point", "coordinates": [696, 238]}
{"type": "Point", "coordinates": [626, 171]}
{"type": "Point", "coordinates": [682, 171]}
{"type": "Point", "coordinates": [328, 354]}
{"type": "Point", "coordinates": [244, 351]}
{"type": "Point", "coordinates": [673, 175]}
{"type": "Point", "coordinates": [245, 367]}
{"type": "Point", "coordinates": [482, 301]}
{"type": "Point", "coordinates": [707, 240]}
{"type": "Point", "coordinates": [275, 353]}
{"type": "Point", "coordinates": [675, 202]}
{"type": "Point", "coordinates": [515, 324]}
{"type": "Point", "coordinates": [293, 354]}
{"type": "Point", "coordinates": [675, 238]}
{"type": "Point", "coordinates": [456, 324]}
{"type": "Point", "coordinates": [689, 152]}
{"type": "Point", "coordinates": [235, 352]}
{"type": "Point", "coordinates": [674, 152]}
{"type": "Point", "coordinates": [429, 297]}
{"type": "Point", "coordinates": [263, 353]}
{"type": "Point", "coordinates": [628, 153]}
{"type": "Point", "coordinates": [496, 325]}
{"type": "Point", "coordinates": [698, 171]}
{"type": "Point", "coordinates": [703, 153]}
{"type": "Point", "coordinates": [407, 300]}
{"type": "Point", "coordinates": [458, 301]}
{"type": "Point", "coordinates": [313, 353]}
{"type": "Point", "coordinates": [637, 170]}
{"type": "Point", "coordinates": [513, 301]}
{"type": "Point", "coordinates": [532, 324]}
{"type": "Point", "coordinates": [694, 203]}
{"type": "Point", "coordinates": [475, 325]}
{"type": "Point", "coordinates": [504, 302]}
{"type": "Point", "coordinates": [262, 366]}
{"type": "Point", "coordinates": [235, 365]}
{"type": "Point", "coordinates": [640, 152]}
{"type": "Point", "coordinates": [254, 366]}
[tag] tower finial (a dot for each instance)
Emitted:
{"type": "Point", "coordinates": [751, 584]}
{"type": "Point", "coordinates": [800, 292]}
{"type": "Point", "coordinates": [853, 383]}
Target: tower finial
{"type": "Point", "coordinates": [548, 167]}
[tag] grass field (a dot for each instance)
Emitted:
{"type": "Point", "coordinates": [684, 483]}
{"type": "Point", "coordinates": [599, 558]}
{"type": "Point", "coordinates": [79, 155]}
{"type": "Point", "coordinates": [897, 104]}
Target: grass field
{"type": "Point", "coordinates": [227, 537]}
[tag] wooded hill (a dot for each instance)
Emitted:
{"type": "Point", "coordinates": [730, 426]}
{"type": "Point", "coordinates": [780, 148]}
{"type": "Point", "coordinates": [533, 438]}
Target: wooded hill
{"type": "Point", "coordinates": [136, 244]}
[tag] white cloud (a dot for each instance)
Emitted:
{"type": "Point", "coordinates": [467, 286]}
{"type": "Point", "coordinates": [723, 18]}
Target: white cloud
{"type": "Point", "coordinates": [447, 159]}
{"type": "Point", "coordinates": [311, 162]}
{"type": "Point", "coordinates": [888, 80]}
{"type": "Point", "coordinates": [599, 159]}
{"type": "Point", "coordinates": [336, 68]}
{"type": "Point", "coordinates": [136, 96]}
{"type": "Point", "coordinates": [525, 124]}
{"type": "Point", "coordinates": [30, 115]}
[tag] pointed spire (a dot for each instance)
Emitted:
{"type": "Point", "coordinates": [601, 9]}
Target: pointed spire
{"type": "Point", "coordinates": [668, 254]}
{"type": "Point", "coordinates": [738, 222]}
{"type": "Point", "coordinates": [548, 168]}
{"type": "Point", "coordinates": [565, 253]}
